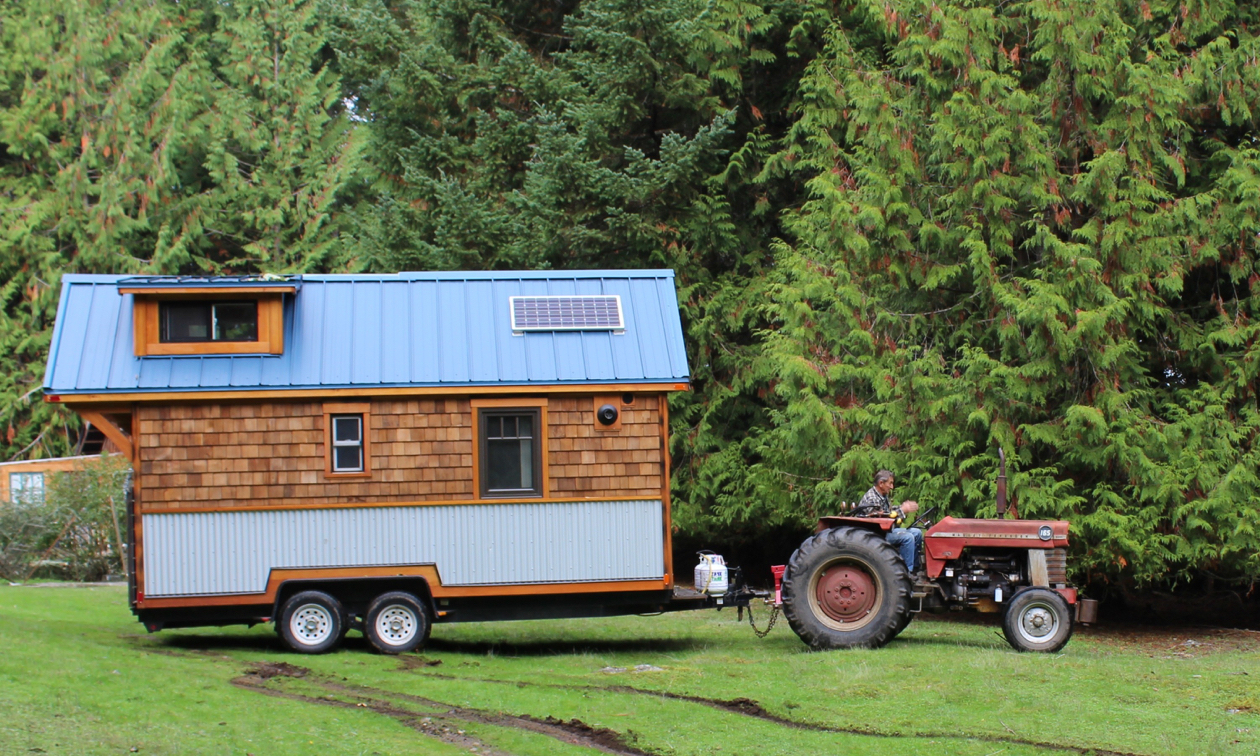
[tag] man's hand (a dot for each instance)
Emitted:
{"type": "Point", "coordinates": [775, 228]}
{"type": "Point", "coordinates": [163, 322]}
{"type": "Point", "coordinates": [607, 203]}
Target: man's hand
{"type": "Point", "coordinates": [909, 506]}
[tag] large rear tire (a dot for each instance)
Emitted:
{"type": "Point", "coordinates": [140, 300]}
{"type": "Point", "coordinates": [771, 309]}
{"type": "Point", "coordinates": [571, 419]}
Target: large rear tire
{"type": "Point", "coordinates": [1037, 619]}
{"type": "Point", "coordinates": [846, 588]}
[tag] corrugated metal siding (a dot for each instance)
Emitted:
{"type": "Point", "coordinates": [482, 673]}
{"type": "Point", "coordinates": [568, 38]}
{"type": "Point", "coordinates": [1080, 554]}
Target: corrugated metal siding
{"type": "Point", "coordinates": [490, 544]}
{"type": "Point", "coordinates": [437, 329]}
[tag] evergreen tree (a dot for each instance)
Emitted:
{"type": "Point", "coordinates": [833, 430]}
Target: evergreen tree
{"type": "Point", "coordinates": [1031, 225]}
{"type": "Point", "coordinates": [164, 138]}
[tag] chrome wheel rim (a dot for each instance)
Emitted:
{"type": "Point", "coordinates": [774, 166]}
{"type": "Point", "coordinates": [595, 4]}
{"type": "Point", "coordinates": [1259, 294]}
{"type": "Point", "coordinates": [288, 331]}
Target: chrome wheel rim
{"type": "Point", "coordinates": [311, 624]}
{"type": "Point", "coordinates": [1038, 622]}
{"type": "Point", "coordinates": [396, 625]}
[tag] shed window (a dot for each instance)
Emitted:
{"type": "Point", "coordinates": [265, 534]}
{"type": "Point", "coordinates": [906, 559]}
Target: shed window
{"type": "Point", "coordinates": [26, 488]}
{"type": "Point", "coordinates": [189, 322]}
{"type": "Point", "coordinates": [347, 443]}
{"type": "Point", "coordinates": [510, 456]}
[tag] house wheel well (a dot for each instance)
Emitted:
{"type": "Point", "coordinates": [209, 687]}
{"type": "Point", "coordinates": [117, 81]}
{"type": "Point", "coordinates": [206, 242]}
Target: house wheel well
{"type": "Point", "coordinates": [356, 593]}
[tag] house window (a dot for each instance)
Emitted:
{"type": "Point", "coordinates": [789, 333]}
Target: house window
{"type": "Point", "coordinates": [511, 455]}
{"type": "Point", "coordinates": [347, 436]}
{"type": "Point", "coordinates": [347, 443]}
{"type": "Point", "coordinates": [190, 322]}
{"type": "Point", "coordinates": [230, 323]}
{"type": "Point", "coordinates": [26, 488]}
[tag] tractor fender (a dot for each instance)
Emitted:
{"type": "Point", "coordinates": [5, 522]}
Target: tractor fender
{"type": "Point", "coordinates": [874, 524]}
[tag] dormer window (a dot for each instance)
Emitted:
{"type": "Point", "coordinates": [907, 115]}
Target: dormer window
{"type": "Point", "coordinates": [206, 316]}
{"type": "Point", "coordinates": [193, 322]}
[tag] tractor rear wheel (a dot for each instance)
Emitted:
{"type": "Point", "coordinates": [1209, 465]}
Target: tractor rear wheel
{"type": "Point", "coordinates": [846, 588]}
{"type": "Point", "coordinates": [1037, 619]}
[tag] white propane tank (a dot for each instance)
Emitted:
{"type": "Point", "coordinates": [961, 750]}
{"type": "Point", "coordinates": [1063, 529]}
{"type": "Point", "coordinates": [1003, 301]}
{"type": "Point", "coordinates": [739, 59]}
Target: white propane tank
{"type": "Point", "coordinates": [711, 575]}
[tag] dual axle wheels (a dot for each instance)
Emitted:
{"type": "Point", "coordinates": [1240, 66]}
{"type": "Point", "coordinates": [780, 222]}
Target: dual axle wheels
{"type": "Point", "coordinates": [848, 588]}
{"type": "Point", "coordinates": [314, 622]}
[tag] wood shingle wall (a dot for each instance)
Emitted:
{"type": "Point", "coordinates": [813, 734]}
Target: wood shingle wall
{"type": "Point", "coordinates": [271, 454]}
{"type": "Point", "coordinates": [588, 462]}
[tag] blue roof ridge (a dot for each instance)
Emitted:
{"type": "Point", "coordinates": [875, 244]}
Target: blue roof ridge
{"type": "Point", "coordinates": [433, 275]}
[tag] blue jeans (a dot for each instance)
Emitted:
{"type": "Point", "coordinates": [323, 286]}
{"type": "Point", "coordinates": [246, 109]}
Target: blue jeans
{"type": "Point", "coordinates": [906, 540]}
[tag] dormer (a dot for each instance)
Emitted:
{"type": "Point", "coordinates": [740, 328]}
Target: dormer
{"type": "Point", "coordinates": [219, 315]}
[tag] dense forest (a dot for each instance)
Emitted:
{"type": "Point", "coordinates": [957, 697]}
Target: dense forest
{"type": "Point", "coordinates": [905, 232]}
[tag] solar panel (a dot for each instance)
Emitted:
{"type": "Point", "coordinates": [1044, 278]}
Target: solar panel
{"type": "Point", "coordinates": [563, 313]}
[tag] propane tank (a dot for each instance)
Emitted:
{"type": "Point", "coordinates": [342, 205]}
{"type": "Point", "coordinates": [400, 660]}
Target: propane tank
{"type": "Point", "coordinates": [711, 575]}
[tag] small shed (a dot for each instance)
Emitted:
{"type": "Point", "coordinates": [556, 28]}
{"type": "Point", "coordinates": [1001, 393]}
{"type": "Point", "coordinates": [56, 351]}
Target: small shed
{"type": "Point", "coordinates": [494, 441]}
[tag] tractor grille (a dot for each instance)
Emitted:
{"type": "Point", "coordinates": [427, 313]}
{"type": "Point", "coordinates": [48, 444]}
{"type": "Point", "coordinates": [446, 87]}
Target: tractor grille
{"type": "Point", "coordinates": [1056, 566]}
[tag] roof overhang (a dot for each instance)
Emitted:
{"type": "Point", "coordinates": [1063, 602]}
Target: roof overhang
{"type": "Point", "coordinates": [209, 285]}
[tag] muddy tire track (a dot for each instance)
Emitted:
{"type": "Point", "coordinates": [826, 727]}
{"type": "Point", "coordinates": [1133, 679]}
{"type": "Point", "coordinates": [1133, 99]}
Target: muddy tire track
{"type": "Point", "coordinates": [750, 708]}
{"type": "Point", "coordinates": [440, 721]}
{"type": "Point", "coordinates": [602, 739]}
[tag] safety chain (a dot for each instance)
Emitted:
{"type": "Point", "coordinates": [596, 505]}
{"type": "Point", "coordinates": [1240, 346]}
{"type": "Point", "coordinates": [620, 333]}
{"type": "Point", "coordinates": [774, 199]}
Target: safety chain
{"type": "Point", "coordinates": [774, 616]}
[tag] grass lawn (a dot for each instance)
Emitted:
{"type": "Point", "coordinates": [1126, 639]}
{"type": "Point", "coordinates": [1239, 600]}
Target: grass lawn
{"type": "Point", "coordinates": [78, 675]}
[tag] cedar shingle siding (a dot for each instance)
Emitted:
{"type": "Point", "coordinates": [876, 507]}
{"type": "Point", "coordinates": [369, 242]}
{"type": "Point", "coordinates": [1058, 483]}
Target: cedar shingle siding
{"type": "Point", "coordinates": [586, 462]}
{"type": "Point", "coordinates": [272, 454]}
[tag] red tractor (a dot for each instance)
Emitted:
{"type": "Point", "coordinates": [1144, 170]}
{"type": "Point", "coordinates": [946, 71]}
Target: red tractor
{"type": "Point", "coordinates": [846, 587]}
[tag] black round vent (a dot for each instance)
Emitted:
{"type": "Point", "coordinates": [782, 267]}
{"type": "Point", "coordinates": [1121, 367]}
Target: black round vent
{"type": "Point", "coordinates": [607, 414]}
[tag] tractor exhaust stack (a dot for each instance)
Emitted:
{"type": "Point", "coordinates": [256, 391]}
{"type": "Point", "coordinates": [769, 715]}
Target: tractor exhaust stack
{"type": "Point", "coordinates": [1001, 484]}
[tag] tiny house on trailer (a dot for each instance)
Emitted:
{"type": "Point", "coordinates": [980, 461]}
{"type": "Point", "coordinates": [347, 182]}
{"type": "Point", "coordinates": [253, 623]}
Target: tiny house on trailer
{"type": "Point", "coordinates": [384, 451]}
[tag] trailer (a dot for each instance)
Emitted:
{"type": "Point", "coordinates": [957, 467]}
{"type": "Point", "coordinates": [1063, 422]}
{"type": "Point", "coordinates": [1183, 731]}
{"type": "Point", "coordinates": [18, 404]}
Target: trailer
{"type": "Point", "coordinates": [385, 452]}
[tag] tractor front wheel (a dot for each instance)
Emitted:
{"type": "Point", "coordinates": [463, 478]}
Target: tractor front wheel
{"type": "Point", "coordinates": [1037, 619]}
{"type": "Point", "coordinates": [846, 588]}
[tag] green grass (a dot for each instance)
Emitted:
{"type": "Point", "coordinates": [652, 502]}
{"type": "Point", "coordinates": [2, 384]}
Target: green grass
{"type": "Point", "coordinates": [79, 676]}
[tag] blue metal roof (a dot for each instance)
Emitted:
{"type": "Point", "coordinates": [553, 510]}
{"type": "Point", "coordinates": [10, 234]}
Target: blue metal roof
{"type": "Point", "coordinates": [408, 329]}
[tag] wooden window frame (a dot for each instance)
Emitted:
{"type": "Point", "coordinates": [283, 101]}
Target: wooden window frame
{"type": "Point", "coordinates": [525, 404]}
{"type": "Point", "coordinates": [148, 331]}
{"type": "Point", "coordinates": [357, 408]}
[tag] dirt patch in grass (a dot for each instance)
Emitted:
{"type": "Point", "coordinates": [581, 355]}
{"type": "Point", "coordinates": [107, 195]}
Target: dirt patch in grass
{"type": "Point", "coordinates": [268, 670]}
{"type": "Point", "coordinates": [429, 717]}
{"type": "Point", "coordinates": [407, 662]}
{"type": "Point", "coordinates": [1172, 642]}
{"type": "Point", "coordinates": [1165, 641]}
{"type": "Point", "coordinates": [601, 737]}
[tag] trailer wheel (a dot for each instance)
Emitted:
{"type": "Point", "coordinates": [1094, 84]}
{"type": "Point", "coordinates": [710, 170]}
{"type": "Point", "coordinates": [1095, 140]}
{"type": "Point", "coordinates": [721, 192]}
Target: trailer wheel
{"type": "Point", "coordinates": [396, 622]}
{"type": "Point", "coordinates": [312, 622]}
{"type": "Point", "coordinates": [846, 588]}
{"type": "Point", "coordinates": [1037, 619]}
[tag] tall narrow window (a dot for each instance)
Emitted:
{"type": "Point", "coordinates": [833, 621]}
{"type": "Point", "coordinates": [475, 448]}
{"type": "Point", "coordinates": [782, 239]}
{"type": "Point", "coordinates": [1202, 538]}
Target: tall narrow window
{"type": "Point", "coordinates": [511, 459]}
{"type": "Point", "coordinates": [347, 433]}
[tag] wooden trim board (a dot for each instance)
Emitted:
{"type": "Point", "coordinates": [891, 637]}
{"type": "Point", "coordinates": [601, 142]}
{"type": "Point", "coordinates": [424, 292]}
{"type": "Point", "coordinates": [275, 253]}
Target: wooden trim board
{"type": "Point", "coordinates": [426, 571]}
{"type": "Point", "coordinates": [383, 391]}
{"type": "Point", "coordinates": [370, 504]}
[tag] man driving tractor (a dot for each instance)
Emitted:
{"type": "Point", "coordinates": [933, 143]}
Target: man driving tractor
{"type": "Point", "coordinates": [875, 503]}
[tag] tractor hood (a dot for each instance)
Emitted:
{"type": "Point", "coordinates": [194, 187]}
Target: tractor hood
{"type": "Point", "coordinates": [1023, 534]}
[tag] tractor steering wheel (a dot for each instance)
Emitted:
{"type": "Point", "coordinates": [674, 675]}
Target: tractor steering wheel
{"type": "Point", "coordinates": [923, 517]}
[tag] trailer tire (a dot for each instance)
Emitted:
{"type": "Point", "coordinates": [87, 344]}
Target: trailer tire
{"type": "Point", "coordinates": [846, 588]}
{"type": "Point", "coordinates": [312, 622]}
{"type": "Point", "coordinates": [396, 622]}
{"type": "Point", "coordinates": [1037, 619]}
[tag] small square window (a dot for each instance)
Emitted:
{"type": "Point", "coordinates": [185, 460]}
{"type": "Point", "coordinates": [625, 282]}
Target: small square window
{"type": "Point", "coordinates": [26, 488]}
{"type": "Point", "coordinates": [511, 459]}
